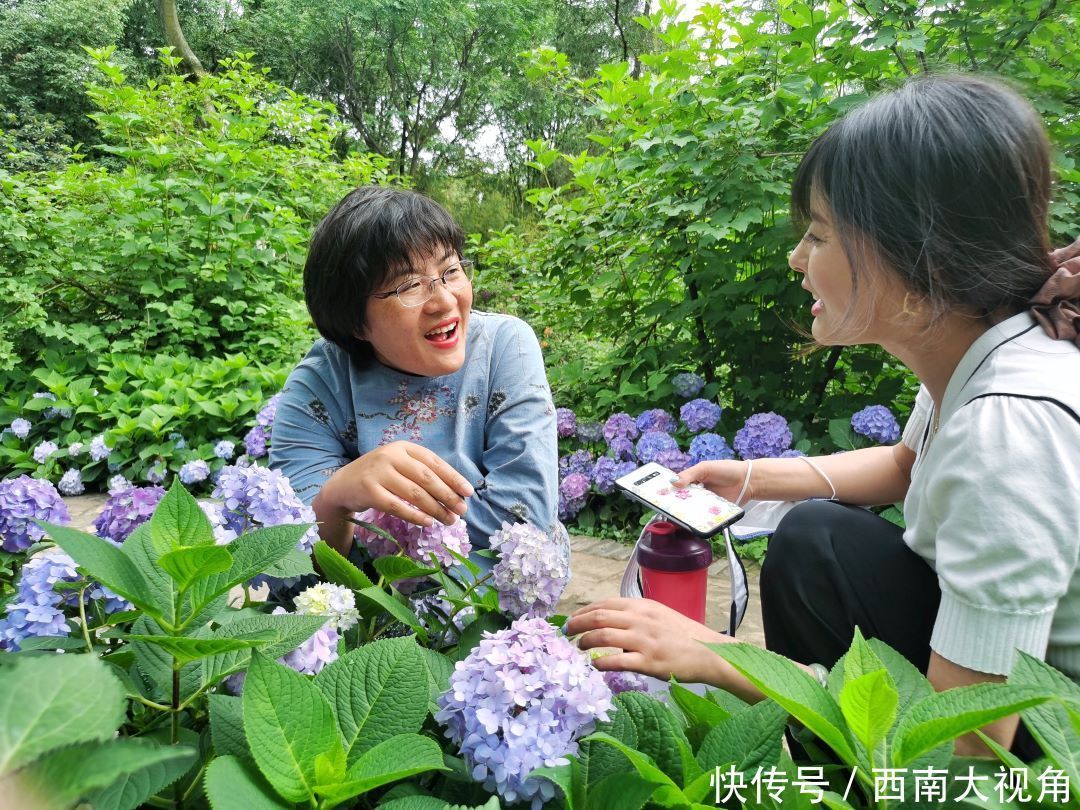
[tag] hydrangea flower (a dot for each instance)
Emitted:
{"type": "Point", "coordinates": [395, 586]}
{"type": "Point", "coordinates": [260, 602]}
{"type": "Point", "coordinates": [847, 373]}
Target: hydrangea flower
{"type": "Point", "coordinates": [699, 415]}
{"type": "Point", "coordinates": [36, 608]}
{"type": "Point", "coordinates": [336, 602]}
{"type": "Point", "coordinates": [765, 435]}
{"type": "Point", "coordinates": [687, 385]}
{"type": "Point", "coordinates": [621, 426]}
{"type": "Point", "coordinates": [252, 497]}
{"type": "Point", "coordinates": [709, 447]}
{"type": "Point", "coordinates": [22, 500]}
{"type": "Point", "coordinates": [580, 461]}
{"type": "Point", "coordinates": [75, 449]}
{"type": "Point", "coordinates": [532, 570]}
{"type": "Point", "coordinates": [179, 442]}
{"type": "Point", "coordinates": [606, 470]}
{"type": "Point", "coordinates": [315, 653]}
{"type": "Point", "coordinates": [622, 449]}
{"type": "Point", "coordinates": [224, 449]}
{"type": "Point", "coordinates": [49, 395]}
{"type": "Point", "coordinates": [652, 443]}
{"type": "Point", "coordinates": [118, 483]}
{"type": "Point", "coordinates": [573, 491]}
{"type": "Point", "coordinates": [619, 682]}
{"type": "Point", "coordinates": [590, 432]}
{"type": "Point", "coordinates": [268, 413]}
{"type": "Point", "coordinates": [215, 513]}
{"type": "Point", "coordinates": [71, 482]}
{"type": "Point", "coordinates": [656, 419]}
{"type": "Point", "coordinates": [675, 460]}
{"type": "Point", "coordinates": [126, 509]}
{"type": "Point", "coordinates": [194, 471]}
{"type": "Point", "coordinates": [876, 422]}
{"type": "Point", "coordinates": [98, 449]}
{"type": "Point", "coordinates": [436, 614]}
{"type": "Point", "coordinates": [43, 451]}
{"type": "Point", "coordinates": [521, 700]}
{"type": "Point", "coordinates": [20, 427]}
{"type": "Point", "coordinates": [792, 453]}
{"type": "Point", "coordinates": [417, 542]}
{"type": "Point", "coordinates": [255, 442]}
{"type": "Point", "coordinates": [565, 422]}
{"type": "Point", "coordinates": [156, 473]}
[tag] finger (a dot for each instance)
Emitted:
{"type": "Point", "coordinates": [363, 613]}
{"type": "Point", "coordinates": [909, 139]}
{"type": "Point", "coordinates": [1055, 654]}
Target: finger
{"type": "Point", "coordinates": [1072, 265]}
{"type": "Point", "coordinates": [596, 619]}
{"type": "Point", "coordinates": [611, 603]}
{"type": "Point", "coordinates": [692, 475]}
{"type": "Point", "coordinates": [424, 482]}
{"type": "Point", "coordinates": [1068, 252]}
{"type": "Point", "coordinates": [626, 640]}
{"type": "Point", "coordinates": [420, 499]}
{"type": "Point", "coordinates": [385, 500]}
{"type": "Point", "coordinates": [621, 662]}
{"type": "Point", "coordinates": [450, 477]}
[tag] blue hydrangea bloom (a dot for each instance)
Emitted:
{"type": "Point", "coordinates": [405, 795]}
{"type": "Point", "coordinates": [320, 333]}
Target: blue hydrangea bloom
{"type": "Point", "coordinates": [709, 447]}
{"type": "Point", "coordinates": [656, 419]}
{"type": "Point", "coordinates": [580, 461]}
{"type": "Point", "coordinates": [75, 449]}
{"type": "Point", "coordinates": [565, 422]}
{"type": "Point", "coordinates": [621, 426]}
{"type": "Point", "coordinates": [23, 500]}
{"type": "Point", "coordinates": [532, 571]}
{"type": "Point", "coordinates": [623, 449]}
{"type": "Point", "coordinates": [876, 422]}
{"type": "Point", "coordinates": [20, 427]}
{"type": "Point", "coordinates": [43, 451]}
{"type": "Point", "coordinates": [71, 483]}
{"type": "Point", "coordinates": [675, 460]}
{"type": "Point", "coordinates": [179, 442]}
{"type": "Point", "coordinates": [255, 441]}
{"type": "Point", "coordinates": [699, 415]}
{"type": "Point", "coordinates": [619, 682]}
{"type": "Point", "coordinates": [590, 432]}
{"type": "Point", "coordinates": [792, 453]}
{"type": "Point", "coordinates": [521, 700]}
{"type": "Point", "coordinates": [224, 449]}
{"type": "Point", "coordinates": [652, 443]}
{"type": "Point", "coordinates": [98, 449]}
{"type": "Point", "coordinates": [765, 435]}
{"type": "Point", "coordinates": [117, 483]}
{"type": "Point", "coordinates": [687, 384]}
{"type": "Point", "coordinates": [156, 473]}
{"type": "Point", "coordinates": [255, 496]}
{"type": "Point", "coordinates": [607, 470]}
{"type": "Point", "coordinates": [194, 471]}
{"type": "Point", "coordinates": [268, 413]}
{"type": "Point", "coordinates": [127, 508]}
{"type": "Point", "coordinates": [36, 609]}
{"type": "Point", "coordinates": [573, 492]}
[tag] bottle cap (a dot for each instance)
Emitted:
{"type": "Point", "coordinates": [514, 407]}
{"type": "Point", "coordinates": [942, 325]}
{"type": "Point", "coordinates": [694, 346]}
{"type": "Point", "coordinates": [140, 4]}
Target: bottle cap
{"type": "Point", "coordinates": [667, 547]}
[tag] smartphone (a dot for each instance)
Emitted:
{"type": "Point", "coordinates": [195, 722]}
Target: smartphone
{"type": "Point", "coordinates": [695, 508]}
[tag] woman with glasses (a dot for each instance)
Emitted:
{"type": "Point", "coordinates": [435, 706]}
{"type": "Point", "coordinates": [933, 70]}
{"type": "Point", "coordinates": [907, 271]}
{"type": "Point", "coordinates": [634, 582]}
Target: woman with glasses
{"type": "Point", "coordinates": [412, 402]}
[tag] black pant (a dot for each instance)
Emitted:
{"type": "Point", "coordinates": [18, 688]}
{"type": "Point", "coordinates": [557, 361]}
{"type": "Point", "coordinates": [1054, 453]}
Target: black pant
{"type": "Point", "coordinates": [831, 567]}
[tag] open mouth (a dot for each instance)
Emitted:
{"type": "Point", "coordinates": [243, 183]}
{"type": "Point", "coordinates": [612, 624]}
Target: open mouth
{"type": "Point", "coordinates": [444, 334]}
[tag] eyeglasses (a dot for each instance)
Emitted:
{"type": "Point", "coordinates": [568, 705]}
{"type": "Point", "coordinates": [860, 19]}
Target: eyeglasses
{"type": "Point", "coordinates": [419, 289]}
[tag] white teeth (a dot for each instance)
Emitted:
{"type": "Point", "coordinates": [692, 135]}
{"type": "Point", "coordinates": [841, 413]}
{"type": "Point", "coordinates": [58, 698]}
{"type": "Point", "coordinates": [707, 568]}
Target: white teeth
{"type": "Point", "coordinates": [442, 330]}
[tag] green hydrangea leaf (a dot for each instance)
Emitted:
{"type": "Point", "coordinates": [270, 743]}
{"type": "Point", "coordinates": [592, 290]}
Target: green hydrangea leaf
{"type": "Point", "coordinates": [185, 565]}
{"type": "Point", "coordinates": [232, 784]}
{"type": "Point", "coordinates": [337, 568]}
{"type": "Point", "coordinates": [395, 758]}
{"type": "Point", "coordinates": [179, 521]}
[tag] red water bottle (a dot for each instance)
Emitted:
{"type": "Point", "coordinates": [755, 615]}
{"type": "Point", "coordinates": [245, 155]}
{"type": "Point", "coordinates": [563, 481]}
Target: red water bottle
{"type": "Point", "coordinates": [675, 568]}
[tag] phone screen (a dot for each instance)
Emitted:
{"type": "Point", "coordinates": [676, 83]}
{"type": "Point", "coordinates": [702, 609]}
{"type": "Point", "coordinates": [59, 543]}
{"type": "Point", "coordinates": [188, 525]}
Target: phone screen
{"type": "Point", "coordinates": [703, 512]}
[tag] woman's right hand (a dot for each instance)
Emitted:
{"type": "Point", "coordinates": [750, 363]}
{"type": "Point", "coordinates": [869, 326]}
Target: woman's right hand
{"type": "Point", "coordinates": [401, 479]}
{"type": "Point", "coordinates": [725, 478]}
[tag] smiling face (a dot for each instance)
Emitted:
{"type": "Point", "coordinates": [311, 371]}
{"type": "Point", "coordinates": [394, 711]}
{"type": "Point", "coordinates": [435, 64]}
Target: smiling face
{"type": "Point", "coordinates": [427, 340]}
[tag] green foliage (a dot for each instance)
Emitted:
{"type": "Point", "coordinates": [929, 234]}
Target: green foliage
{"type": "Point", "coordinates": [190, 241]}
{"type": "Point", "coordinates": [666, 250]}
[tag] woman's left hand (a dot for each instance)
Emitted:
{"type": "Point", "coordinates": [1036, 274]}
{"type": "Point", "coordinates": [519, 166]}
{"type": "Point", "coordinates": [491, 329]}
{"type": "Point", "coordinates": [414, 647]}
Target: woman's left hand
{"type": "Point", "coordinates": [1068, 256]}
{"type": "Point", "coordinates": [654, 639]}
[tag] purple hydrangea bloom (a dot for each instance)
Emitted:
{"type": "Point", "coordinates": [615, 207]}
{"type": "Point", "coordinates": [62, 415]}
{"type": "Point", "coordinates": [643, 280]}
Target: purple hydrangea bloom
{"type": "Point", "coordinates": [179, 442]}
{"type": "Point", "coordinates": [436, 614]}
{"type": "Point", "coordinates": [22, 500]}
{"type": "Point", "coordinates": [224, 449]}
{"type": "Point", "coordinates": [75, 449]}
{"type": "Point", "coordinates": [621, 426]}
{"type": "Point", "coordinates": [656, 419]}
{"type": "Point", "coordinates": [622, 449]}
{"type": "Point", "coordinates": [125, 510]}
{"type": "Point", "coordinates": [606, 470]}
{"type": "Point", "coordinates": [792, 453]}
{"type": "Point", "coordinates": [619, 682]}
{"type": "Point", "coordinates": [765, 435]}
{"type": "Point", "coordinates": [253, 497]}
{"type": "Point", "coordinates": [156, 473]}
{"type": "Point", "coordinates": [532, 570]}
{"type": "Point", "coordinates": [580, 461]}
{"type": "Point", "coordinates": [675, 460]}
{"type": "Point", "coordinates": [652, 443]}
{"type": "Point", "coordinates": [565, 422]}
{"type": "Point", "coordinates": [71, 483]}
{"type": "Point", "coordinates": [876, 422]}
{"type": "Point", "coordinates": [416, 542]}
{"type": "Point", "coordinates": [521, 700]}
{"type": "Point", "coordinates": [573, 492]}
{"type": "Point", "coordinates": [36, 608]}
{"type": "Point", "coordinates": [268, 413]}
{"type": "Point", "coordinates": [255, 442]}
{"type": "Point", "coordinates": [98, 449]}
{"type": "Point", "coordinates": [590, 432]}
{"type": "Point", "coordinates": [315, 653]}
{"type": "Point", "coordinates": [118, 483]}
{"type": "Point", "coordinates": [699, 415]}
{"type": "Point", "coordinates": [194, 471]}
{"type": "Point", "coordinates": [43, 451]}
{"type": "Point", "coordinates": [687, 385]}
{"type": "Point", "coordinates": [20, 427]}
{"type": "Point", "coordinates": [709, 447]}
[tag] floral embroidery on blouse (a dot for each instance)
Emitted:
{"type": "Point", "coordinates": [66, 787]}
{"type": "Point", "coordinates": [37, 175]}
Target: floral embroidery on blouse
{"type": "Point", "coordinates": [498, 397]}
{"type": "Point", "coordinates": [416, 410]}
{"type": "Point", "coordinates": [349, 434]}
{"type": "Point", "coordinates": [318, 412]}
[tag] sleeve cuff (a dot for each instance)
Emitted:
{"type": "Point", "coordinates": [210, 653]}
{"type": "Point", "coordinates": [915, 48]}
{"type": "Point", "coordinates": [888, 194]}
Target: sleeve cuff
{"type": "Point", "coordinates": [985, 639]}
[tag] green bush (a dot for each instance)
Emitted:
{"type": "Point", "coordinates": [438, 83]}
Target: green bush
{"type": "Point", "coordinates": [189, 239]}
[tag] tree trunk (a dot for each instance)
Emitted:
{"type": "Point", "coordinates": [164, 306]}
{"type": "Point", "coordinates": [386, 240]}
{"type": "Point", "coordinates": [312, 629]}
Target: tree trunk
{"type": "Point", "coordinates": [174, 36]}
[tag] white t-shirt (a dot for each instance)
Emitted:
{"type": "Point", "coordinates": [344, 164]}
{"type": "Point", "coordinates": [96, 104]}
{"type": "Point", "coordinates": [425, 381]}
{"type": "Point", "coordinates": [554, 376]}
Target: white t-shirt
{"type": "Point", "coordinates": [994, 502]}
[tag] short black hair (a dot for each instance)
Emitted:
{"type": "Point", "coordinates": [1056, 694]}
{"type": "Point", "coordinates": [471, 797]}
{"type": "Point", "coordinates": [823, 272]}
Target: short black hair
{"type": "Point", "coordinates": [370, 238]}
{"type": "Point", "coordinates": [947, 180]}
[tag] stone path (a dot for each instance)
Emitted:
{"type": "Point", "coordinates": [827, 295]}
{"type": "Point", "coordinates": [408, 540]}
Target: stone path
{"type": "Point", "coordinates": [596, 569]}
